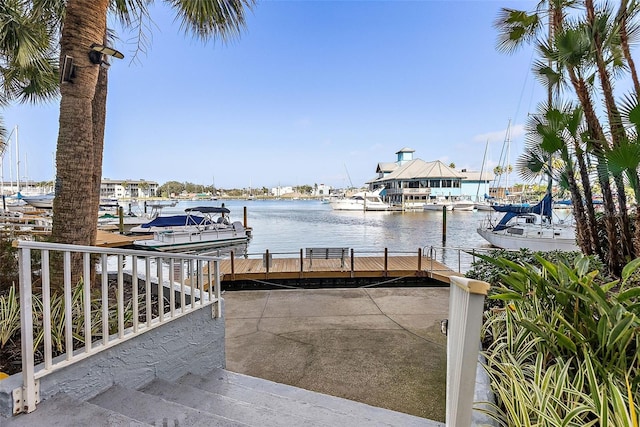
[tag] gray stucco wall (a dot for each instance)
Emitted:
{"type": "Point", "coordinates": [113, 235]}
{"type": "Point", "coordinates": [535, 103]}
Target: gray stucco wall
{"type": "Point", "coordinates": [191, 343]}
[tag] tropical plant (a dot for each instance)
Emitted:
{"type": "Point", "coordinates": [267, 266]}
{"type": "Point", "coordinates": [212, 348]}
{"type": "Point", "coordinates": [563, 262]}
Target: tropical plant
{"type": "Point", "coordinates": [563, 347]}
{"type": "Point", "coordinates": [583, 48]}
{"type": "Point", "coordinates": [9, 316]}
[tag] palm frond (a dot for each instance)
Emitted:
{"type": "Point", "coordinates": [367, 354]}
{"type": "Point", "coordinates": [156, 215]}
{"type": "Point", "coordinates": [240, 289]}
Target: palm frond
{"type": "Point", "coordinates": [515, 28]}
{"type": "Point", "coordinates": [212, 19]}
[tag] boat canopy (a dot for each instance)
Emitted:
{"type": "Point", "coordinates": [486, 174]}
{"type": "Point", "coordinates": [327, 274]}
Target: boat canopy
{"type": "Point", "coordinates": [543, 208]}
{"type": "Point", "coordinates": [175, 221]}
{"type": "Point", "coordinates": [208, 210]}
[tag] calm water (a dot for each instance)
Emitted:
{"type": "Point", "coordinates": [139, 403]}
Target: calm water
{"type": "Point", "coordinates": [286, 226]}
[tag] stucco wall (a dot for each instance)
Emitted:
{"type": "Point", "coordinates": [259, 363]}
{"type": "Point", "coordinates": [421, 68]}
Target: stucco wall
{"type": "Point", "coordinates": [192, 343]}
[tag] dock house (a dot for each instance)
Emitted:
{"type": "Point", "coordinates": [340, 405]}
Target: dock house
{"type": "Point", "coordinates": [412, 182]}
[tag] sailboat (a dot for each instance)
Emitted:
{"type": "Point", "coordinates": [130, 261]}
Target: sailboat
{"type": "Point", "coordinates": [529, 227]}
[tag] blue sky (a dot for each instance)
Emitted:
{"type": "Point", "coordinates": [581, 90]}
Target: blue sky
{"type": "Point", "coordinates": [311, 91]}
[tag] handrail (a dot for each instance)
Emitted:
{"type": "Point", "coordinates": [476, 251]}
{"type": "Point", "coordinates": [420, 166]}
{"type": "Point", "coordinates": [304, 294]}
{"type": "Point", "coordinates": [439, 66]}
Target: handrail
{"type": "Point", "coordinates": [181, 276]}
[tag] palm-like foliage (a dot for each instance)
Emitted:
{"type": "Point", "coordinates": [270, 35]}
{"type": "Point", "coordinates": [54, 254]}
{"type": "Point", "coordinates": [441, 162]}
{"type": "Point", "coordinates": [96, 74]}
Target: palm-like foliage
{"type": "Point", "coordinates": [583, 48]}
{"type": "Point", "coordinates": [28, 62]}
{"type": "Point", "coordinates": [563, 350]}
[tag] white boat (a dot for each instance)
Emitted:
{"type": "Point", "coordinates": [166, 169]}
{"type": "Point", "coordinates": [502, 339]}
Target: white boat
{"type": "Point", "coordinates": [39, 201]}
{"type": "Point", "coordinates": [437, 204]}
{"type": "Point", "coordinates": [195, 231]}
{"type": "Point", "coordinates": [463, 205]}
{"type": "Point", "coordinates": [484, 205]}
{"type": "Point", "coordinates": [529, 228]}
{"type": "Point", "coordinates": [132, 222]}
{"type": "Point", "coordinates": [362, 201]}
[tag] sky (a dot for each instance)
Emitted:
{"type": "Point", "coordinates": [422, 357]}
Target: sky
{"type": "Point", "coordinates": [312, 92]}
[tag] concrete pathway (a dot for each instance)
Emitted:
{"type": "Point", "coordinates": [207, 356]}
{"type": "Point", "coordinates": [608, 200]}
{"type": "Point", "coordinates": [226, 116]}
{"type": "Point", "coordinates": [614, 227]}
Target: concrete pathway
{"type": "Point", "coordinates": [379, 346]}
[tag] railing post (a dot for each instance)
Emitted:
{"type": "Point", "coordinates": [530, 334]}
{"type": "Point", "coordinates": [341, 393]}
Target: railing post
{"type": "Point", "coordinates": [466, 306]}
{"type": "Point", "coordinates": [29, 392]}
{"type": "Point", "coordinates": [217, 289]}
{"type": "Point", "coordinates": [301, 263]}
{"type": "Point", "coordinates": [386, 262]}
{"type": "Point", "coordinates": [352, 263]}
{"type": "Point", "coordinates": [419, 259]}
{"type": "Point", "coordinates": [233, 269]}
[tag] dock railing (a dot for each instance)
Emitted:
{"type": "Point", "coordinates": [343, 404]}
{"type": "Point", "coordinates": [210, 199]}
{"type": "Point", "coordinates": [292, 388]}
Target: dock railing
{"type": "Point", "coordinates": [455, 258]}
{"type": "Point", "coordinates": [134, 292]}
{"type": "Point", "coordinates": [466, 306]}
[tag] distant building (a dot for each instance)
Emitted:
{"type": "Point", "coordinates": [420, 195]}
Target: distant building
{"type": "Point", "coordinates": [321, 190]}
{"type": "Point", "coordinates": [476, 184]}
{"type": "Point", "coordinates": [281, 191]}
{"type": "Point", "coordinates": [128, 188]}
{"type": "Point", "coordinates": [409, 181]}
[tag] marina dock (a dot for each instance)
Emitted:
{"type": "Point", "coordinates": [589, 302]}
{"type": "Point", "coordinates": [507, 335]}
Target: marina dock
{"type": "Point", "coordinates": [352, 269]}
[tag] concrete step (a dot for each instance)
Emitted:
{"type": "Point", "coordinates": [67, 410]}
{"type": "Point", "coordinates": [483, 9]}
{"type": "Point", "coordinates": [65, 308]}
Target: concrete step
{"type": "Point", "coordinates": [228, 407]}
{"type": "Point", "coordinates": [157, 411]}
{"type": "Point", "coordinates": [64, 411]}
{"type": "Point", "coordinates": [363, 413]}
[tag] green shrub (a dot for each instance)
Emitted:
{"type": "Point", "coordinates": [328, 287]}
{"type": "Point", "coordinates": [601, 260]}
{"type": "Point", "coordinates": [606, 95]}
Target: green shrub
{"type": "Point", "coordinates": [563, 347]}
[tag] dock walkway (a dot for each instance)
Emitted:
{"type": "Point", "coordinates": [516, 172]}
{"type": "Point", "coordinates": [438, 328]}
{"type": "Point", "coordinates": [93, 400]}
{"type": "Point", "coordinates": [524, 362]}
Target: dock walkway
{"type": "Point", "coordinates": [355, 267]}
{"type": "Point", "coordinates": [291, 267]}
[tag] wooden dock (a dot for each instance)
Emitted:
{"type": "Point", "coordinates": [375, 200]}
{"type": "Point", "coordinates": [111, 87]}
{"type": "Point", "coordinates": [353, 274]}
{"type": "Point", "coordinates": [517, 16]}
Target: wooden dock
{"type": "Point", "coordinates": [386, 267]}
{"type": "Point", "coordinates": [295, 268]}
{"type": "Point", "coordinates": [107, 239]}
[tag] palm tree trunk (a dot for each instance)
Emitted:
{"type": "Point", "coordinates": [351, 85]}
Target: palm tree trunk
{"type": "Point", "coordinates": [582, 228]}
{"type": "Point", "coordinates": [73, 218]}
{"type": "Point", "coordinates": [623, 14]}
{"type": "Point", "coordinates": [616, 127]}
{"type": "Point", "coordinates": [598, 141]}
{"type": "Point", "coordinates": [99, 106]}
{"type": "Point", "coordinates": [588, 196]}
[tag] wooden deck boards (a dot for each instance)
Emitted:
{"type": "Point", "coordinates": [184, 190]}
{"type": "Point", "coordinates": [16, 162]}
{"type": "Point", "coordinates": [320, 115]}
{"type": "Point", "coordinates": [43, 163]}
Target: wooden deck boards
{"type": "Point", "coordinates": [106, 239]}
{"type": "Point", "coordinates": [363, 267]}
{"type": "Point", "coordinates": [397, 266]}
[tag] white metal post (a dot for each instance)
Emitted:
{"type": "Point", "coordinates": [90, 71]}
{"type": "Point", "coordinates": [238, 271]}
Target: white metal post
{"type": "Point", "coordinates": [29, 388]}
{"type": "Point", "coordinates": [466, 306]}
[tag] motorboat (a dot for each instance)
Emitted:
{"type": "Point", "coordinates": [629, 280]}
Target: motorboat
{"type": "Point", "coordinates": [197, 230]}
{"type": "Point", "coordinates": [38, 201]}
{"type": "Point", "coordinates": [463, 205]}
{"type": "Point", "coordinates": [132, 223]}
{"type": "Point", "coordinates": [436, 204]}
{"type": "Point", "coordinates": [361, 201]}
{"type": "Point", "coordinates": [529, 227]}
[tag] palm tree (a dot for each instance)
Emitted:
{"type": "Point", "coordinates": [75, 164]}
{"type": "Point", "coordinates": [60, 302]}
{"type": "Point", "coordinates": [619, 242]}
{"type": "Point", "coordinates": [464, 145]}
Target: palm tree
{"type": "Point", "coordinates": [83, 103]}
{"type": "Point", "coordinates": [581, 54]}
{"type": "Point", "coordinates": [28, 64]}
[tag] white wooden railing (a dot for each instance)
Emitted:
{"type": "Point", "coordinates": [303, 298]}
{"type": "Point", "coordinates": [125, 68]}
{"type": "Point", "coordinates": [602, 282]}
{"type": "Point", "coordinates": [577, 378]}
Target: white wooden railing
{"type": "Point", "coordinates": [466, 306]}
{"type": "Point", "coordinates": [182, 283]}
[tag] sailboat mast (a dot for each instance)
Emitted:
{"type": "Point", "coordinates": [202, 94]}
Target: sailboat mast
{"type": "Point", "coordinates": [484, 159]}
{"type": "Point", "coordinates": [17, 159]}
{"type": "Point", "coordinates": [508, 172]}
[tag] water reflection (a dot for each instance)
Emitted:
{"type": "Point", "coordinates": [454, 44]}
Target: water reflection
{"type": "Point", "coordinates": [286, 226]}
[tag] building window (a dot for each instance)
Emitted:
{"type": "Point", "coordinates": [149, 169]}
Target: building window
{"type": "Point", "coordinates": [446, 183]}
{"type": "Point", "coordinates": [434, 183]}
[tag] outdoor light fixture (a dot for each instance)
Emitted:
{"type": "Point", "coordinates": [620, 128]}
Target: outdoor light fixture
{"type": "Point", "coordinates": [68, 70]}
{"type": "Point", "coordinates": [97, 52]}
